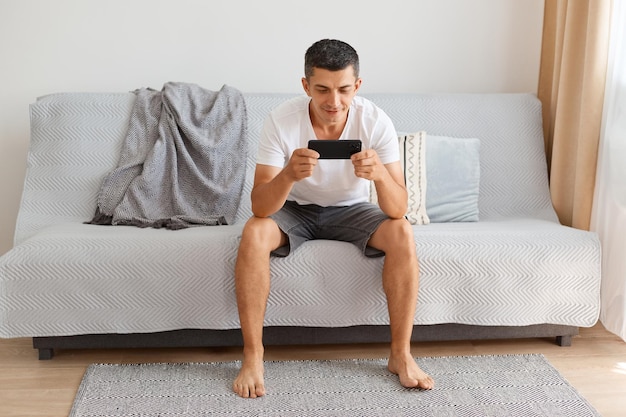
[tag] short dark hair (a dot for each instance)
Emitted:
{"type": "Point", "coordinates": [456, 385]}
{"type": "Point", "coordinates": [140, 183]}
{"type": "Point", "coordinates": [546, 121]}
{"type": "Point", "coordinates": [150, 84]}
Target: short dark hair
{"type": "Point", "coordinates": [332, 55]}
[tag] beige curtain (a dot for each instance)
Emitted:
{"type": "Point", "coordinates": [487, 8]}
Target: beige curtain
{"type": "Point", "coordinates": [571, 88]}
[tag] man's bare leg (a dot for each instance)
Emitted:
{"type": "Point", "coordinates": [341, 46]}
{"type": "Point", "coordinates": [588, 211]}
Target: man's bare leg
{"type": "Point", "coordinates": [401, 283]}
{"type": "Point", "coordinates": [252, 282]}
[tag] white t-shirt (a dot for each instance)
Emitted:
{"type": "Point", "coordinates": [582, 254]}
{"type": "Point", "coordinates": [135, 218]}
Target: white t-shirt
{"type": "Point", "coordinates": [333, 183]}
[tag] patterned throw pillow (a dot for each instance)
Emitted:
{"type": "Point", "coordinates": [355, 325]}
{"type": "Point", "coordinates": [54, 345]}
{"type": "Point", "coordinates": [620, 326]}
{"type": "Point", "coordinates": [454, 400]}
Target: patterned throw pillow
{"type": "Point", "coordinates": [413, 161]}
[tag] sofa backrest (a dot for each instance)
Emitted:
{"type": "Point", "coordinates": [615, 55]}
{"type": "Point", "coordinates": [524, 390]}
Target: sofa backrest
{"type": "Point", "coordinates": [513, 167]}
{"type": "Point", "coordinates": [76, 139]}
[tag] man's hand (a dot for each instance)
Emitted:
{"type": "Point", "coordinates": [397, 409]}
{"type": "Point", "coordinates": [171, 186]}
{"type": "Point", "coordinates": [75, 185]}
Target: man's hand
{"type": "Point", "coordinates": [301, 164]}
{"type": "Point", "coordinates": [367, 165]}
{"type": "Point", "coordinates": [272, 184]}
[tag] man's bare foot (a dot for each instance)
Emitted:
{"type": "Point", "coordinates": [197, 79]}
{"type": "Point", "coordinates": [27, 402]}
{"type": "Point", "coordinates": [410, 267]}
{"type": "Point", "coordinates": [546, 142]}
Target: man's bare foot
{"type": "Point", "coordinates": [411, 376]}
{"type": "Point", "coordinates": [250, 382]}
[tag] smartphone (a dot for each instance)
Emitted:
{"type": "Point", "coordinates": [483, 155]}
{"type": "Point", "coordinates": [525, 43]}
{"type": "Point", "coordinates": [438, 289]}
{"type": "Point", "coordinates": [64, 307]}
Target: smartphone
{"type": "Point", "coordinates": [336, 149]}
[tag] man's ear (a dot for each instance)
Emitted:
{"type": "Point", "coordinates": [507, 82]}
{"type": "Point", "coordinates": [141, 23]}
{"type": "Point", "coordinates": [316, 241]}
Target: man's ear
{"type": "Point", "coordinates": [357, 85]}
{"type": "Point", "coordinates": [305, 85]}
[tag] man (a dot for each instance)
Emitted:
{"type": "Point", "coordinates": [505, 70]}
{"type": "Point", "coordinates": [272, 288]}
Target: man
{"type": "Point", "coordinates": [292, 189]}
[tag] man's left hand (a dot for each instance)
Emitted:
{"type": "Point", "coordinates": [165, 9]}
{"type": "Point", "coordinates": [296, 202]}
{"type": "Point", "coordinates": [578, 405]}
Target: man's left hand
{"type": "Point", "coordinates": [367, 165]}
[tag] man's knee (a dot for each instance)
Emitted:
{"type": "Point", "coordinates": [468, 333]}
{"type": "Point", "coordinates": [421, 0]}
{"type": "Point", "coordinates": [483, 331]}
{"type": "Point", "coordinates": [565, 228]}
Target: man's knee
{"type": "Point", "coordinates": [396, 235]}
{"type": "Point", "coordinates": [261, 233]}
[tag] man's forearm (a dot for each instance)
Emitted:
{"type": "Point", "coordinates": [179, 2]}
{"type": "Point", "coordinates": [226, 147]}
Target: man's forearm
{"type": "Point", "coordinates": [270, 197]}
{"type": "Point", "coordinates": [392, 197]}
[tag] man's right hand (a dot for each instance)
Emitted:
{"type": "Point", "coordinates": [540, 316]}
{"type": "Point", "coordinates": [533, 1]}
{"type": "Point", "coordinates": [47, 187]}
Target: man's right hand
{"type": "Point", "coordinates": [301, 164]}
{"type": "Point", "coordinates": [272, 184]}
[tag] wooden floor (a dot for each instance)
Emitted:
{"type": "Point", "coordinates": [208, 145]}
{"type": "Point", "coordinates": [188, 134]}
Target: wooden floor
{"type": "Point", "coordinates": [595, 365]}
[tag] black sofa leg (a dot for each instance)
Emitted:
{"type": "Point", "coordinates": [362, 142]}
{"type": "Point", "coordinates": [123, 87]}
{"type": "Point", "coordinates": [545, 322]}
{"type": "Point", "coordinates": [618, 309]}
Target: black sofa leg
{"type": "Point", "coordinates": [46, 354]}
{"type": "Point", "coordinates": [564, 341]}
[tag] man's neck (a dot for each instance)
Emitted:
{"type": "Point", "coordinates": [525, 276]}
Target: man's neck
{"type": "Point", "coordinates": [326, 131]}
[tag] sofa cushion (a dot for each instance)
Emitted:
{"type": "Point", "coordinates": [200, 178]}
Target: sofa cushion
{"type": "Point", "coordinates": [81, 279]}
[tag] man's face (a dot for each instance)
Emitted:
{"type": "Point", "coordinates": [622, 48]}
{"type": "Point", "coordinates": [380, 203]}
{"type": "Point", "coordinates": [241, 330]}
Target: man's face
{"type": "Point", "coordinates": [331, 94]}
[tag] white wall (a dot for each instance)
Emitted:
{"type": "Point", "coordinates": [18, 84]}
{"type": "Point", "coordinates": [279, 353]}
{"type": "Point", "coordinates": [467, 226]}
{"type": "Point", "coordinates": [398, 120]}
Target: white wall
{"type": "Point", "coordinates": [254, 45]}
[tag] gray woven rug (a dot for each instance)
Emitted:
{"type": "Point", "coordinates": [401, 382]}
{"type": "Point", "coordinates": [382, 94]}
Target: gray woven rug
{"type": "Point", "coordinates": [508, 385]}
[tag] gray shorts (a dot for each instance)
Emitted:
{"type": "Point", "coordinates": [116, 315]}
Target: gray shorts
{"type": "Point", "coordinates": [354, 224]}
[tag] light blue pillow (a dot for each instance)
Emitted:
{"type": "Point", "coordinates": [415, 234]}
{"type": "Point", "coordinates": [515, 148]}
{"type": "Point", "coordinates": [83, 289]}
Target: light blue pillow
{"type": "Point", "coordinates": [453, 178]}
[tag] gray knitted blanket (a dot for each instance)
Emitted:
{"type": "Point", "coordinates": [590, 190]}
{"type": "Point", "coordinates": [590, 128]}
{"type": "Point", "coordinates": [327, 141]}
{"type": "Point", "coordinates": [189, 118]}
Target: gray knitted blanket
{"type": "Point", "coordinates": [182, 163]}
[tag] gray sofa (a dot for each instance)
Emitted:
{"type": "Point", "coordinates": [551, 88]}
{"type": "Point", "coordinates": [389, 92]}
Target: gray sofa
{"type": "Point", "coordinates": [516, 272]}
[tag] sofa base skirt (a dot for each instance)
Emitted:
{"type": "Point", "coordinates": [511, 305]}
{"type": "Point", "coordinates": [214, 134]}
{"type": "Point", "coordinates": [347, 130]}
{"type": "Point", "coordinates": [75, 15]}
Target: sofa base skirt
{"type": "Point", "coordinates": [298, 336]}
